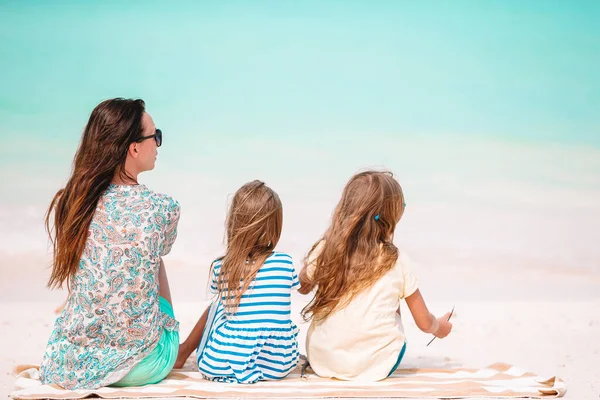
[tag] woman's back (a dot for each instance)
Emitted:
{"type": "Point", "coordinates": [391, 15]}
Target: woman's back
{"type": "Point", "coordinates": [112, 318]}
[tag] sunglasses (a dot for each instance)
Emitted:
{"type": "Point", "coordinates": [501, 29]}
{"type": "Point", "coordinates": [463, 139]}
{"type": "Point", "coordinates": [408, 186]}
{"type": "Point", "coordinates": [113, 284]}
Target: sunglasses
{"type": "Point", "coordinates": [157, 138]}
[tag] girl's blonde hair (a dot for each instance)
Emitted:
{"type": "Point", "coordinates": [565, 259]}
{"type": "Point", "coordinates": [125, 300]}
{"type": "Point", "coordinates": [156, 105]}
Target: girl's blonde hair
{"type": "Point", "coordinates": [357, 249]}
{"type": "Point", "coordinates": [253, 228]}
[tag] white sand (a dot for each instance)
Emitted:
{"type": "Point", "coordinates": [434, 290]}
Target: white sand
{"type": "Point", "coordinates": [544, 319]}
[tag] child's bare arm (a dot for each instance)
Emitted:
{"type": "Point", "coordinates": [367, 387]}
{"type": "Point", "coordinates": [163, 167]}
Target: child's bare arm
{"type": "Point", "coordinates": [425, 320]}
{"type": "Point", "coordinates": [306, 284]}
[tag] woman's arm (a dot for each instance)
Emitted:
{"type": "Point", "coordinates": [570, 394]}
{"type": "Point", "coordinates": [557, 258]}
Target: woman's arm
{"type": "Point", "coordinates": [191, 343]}
{"type": "Point", "coordinates": [163, 283]}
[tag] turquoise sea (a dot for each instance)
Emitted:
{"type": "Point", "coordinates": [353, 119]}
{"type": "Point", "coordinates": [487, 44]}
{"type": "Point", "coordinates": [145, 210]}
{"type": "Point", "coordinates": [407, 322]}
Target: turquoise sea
{"type": "Point", "coordinates": [488, 112]}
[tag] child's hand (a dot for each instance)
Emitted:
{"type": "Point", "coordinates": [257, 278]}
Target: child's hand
{"type": "Point", "coordinates": [445, 326]}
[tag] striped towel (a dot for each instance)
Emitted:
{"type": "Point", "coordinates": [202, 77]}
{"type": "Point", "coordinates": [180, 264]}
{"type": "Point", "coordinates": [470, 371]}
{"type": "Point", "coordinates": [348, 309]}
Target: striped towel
{"type": "Point", "coordinates": [498, 380]}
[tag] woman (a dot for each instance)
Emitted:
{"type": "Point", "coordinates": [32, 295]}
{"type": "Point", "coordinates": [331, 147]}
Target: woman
{"type": "Point", "coordinates": [109, 234]}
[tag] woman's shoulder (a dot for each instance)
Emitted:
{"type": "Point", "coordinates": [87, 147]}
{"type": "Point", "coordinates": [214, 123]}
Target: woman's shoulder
{"type": "Point", "coordinates": [162, 200]}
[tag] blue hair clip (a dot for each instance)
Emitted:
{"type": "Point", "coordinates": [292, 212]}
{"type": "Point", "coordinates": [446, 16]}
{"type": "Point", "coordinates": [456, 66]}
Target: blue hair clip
{"type": "Point", "coordinates": [377, 217]}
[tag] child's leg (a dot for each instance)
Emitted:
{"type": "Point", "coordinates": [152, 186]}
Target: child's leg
{"type": "Point", "coordinates": [191, 343]}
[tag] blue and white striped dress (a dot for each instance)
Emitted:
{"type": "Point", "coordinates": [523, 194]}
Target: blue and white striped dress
{"type": "Point", "coordinates": [260, 341]}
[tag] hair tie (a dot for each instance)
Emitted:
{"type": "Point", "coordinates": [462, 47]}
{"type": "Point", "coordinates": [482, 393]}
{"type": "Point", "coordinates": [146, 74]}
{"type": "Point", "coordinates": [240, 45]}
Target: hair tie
{"type": "Point", "coordinates": [377, 217]}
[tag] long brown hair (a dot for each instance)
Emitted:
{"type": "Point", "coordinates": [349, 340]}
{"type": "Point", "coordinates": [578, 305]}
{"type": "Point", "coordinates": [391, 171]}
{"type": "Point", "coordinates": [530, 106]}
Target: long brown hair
{"type": "Point", "coordinates": [253, 225]}
{"type": "Point", "coordinates": [113, 125]}
{"type": "Point", "coordinates": [357, 249]}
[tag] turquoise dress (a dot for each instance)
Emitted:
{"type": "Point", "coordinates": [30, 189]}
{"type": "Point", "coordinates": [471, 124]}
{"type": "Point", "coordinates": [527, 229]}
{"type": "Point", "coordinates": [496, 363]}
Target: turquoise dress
{"type": "Point", "coordinates": [113, 319]}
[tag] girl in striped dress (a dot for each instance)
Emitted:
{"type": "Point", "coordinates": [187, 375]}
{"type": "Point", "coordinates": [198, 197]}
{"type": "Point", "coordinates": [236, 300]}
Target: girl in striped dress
{"type": "Point", "coordinates": [247, 334]}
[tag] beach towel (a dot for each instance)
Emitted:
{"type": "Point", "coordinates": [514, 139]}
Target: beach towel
{"type": "Point", "coordinates": [498, 380]}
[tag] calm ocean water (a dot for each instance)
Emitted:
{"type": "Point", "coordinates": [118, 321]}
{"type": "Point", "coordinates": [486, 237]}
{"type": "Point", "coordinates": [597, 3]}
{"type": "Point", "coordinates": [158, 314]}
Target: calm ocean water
{"type": "Point", "coordinates": [488, 113]}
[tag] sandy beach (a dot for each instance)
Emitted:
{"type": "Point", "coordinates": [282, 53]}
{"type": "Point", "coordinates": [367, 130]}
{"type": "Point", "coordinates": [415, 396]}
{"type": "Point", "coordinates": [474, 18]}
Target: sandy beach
{"type": "Point", "coordinates": [546, 320]}
{"type": "Point", "coordinates": [519, 263]}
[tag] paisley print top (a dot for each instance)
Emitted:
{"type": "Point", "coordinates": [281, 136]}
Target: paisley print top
{"type": "Point", "coordinates": [112, 319]}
